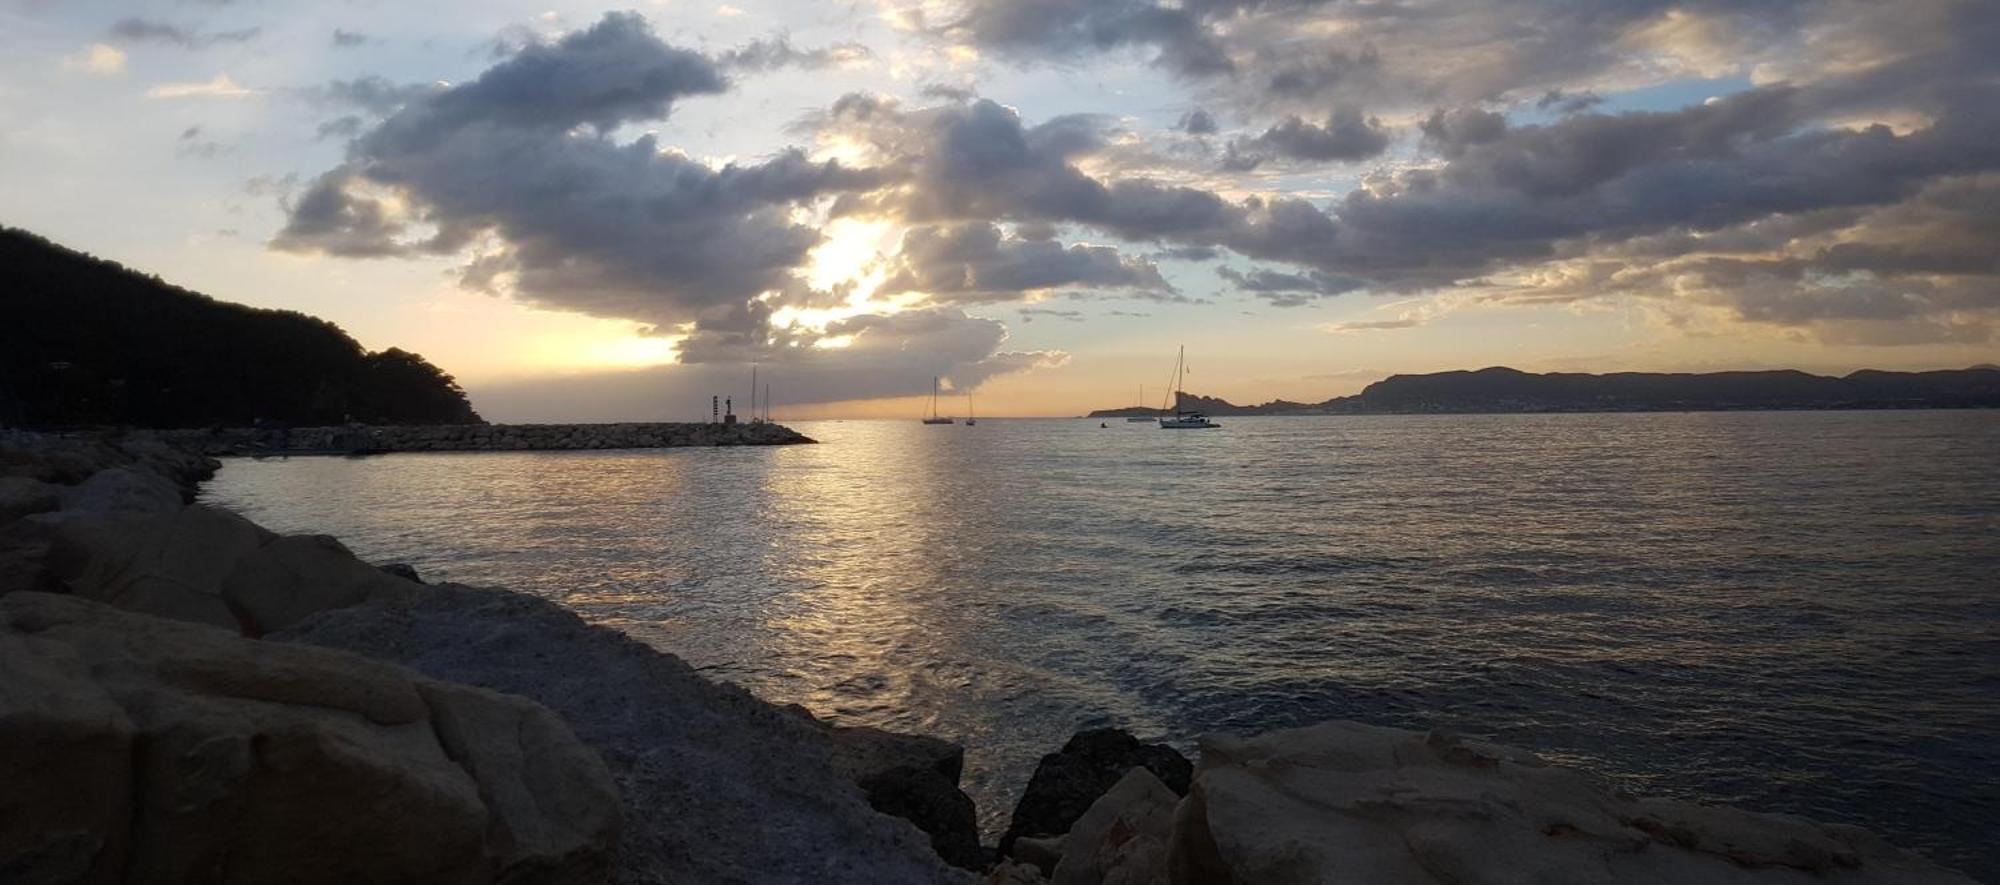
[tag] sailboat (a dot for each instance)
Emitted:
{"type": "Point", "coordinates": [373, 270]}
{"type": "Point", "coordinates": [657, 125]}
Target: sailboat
{"type": "Point", "coordinates": [969, 419]}
{"type": "Point", "coordinates": [1184, 419]}
{"type": "Point", "coordinates": [934, 417]}
{"type": "Point", "coordinates": [1140, 403]}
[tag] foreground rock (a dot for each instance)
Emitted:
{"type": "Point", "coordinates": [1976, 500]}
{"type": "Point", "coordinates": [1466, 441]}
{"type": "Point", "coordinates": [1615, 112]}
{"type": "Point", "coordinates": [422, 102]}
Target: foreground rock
{"type": "Point", "coordinates": [721, 787]}
{"type": "Point", "coordinates": [139, 749]}
{"type": "Point", "coordinates": [1065, 784]}
{"type": "Point", "coordinates": [1346, 802]}
{"type": "Point", "coordinates": [109, 523]}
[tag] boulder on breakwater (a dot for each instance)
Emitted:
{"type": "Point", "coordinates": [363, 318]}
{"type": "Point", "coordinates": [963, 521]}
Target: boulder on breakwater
{"type": "Point", "coordinates": [477, 437]}
{"type": "Point", "coordinates": [142, 749]}
{"type": "Point", "coordinates": [715, 785]}
{"type": "Point", "coordinates": [728, 787]}
{"type": "Point", "coordinates": [1348, 802]}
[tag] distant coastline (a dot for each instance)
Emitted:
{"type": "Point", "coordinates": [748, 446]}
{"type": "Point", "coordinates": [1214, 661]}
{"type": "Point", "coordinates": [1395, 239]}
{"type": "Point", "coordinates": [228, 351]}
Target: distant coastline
{"type": "Point", "coordinates": [1507, 391]}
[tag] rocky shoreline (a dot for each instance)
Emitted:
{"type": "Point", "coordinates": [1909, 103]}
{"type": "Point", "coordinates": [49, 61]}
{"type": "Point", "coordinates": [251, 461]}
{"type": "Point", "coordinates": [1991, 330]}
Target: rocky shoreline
{"type": "Point", "coordinates": [193, 698]}
{"type": "Point", "coordinates": [367, 439]}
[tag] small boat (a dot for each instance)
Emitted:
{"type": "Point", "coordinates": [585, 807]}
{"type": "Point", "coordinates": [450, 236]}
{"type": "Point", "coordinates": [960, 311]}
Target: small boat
{"type": "Point", "coordinates": [1140, 403]}
{"type": "Point", "coordinates": [969, 420]}
{"type": "Point", "coordinates": [1184, 419]}
{"type": "Point", "coordinates": [934, 417]}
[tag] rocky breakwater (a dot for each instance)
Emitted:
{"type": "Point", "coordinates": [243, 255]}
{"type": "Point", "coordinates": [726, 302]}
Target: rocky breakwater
{"type": "Point", "coordinates": [1348, 802]}
{"type": "Point", "coordinates": [478, 437]}
{"type": "Point", "coordinates": [165, 717]}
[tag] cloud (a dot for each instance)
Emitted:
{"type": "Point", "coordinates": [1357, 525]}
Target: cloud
{"type": "Point", "coordinates": [98, 58]}
{"type": "Point", "coordinates": [193, 143]}
{"type": "Point", "coordinates": [979, 161]}
{"type": "Point", "coordinates": [1196, 122]}
{"type": "Point", "coordinates": [141, 30]}
{"type": "Point", "coordinates": [1346, 135]}
{"type": "Point", "coordinates": [1566, 102]}
{"type": "Point", "coordinates": [881, 356]}
{"type": "Point", "coordinates": [1028, 314]}
{"type": "Point", "coordinates": [972, 263]}
{"type": "Point", "coordinates": [777, 52]}
{"type": "Point", "coordinates": [219, 87]}
{"type": "Point", "coordinates": [519, 167]}
{"type": "Point", "coordinates": [1284, 289]}
{"type": "Point", "coordinates": [372, 94]}
{"type": "Point", "coordinates": [343, 39]}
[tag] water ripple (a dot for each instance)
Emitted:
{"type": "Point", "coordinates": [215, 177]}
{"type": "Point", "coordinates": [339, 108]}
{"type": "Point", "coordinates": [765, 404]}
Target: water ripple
{"type": "Point", "coordinates": [1796, 612]}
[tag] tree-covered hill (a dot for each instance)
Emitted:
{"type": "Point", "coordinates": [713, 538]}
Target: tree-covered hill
{"type": "Point", "coordinates": [84, 341]}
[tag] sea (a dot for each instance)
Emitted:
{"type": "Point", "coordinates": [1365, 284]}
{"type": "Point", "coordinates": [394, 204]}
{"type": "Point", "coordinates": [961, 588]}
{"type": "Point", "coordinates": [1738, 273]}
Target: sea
{"type": "Point", "coordinates": [1791, 612]}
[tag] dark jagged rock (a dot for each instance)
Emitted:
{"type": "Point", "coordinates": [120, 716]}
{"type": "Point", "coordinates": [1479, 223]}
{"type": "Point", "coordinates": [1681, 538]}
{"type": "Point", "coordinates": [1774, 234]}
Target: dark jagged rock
{"type": "Point", "coordinates": [1066, 783]}
{"type": "Point", "coordinates": [914, 777]}
{"type": "Point", "coordinates": [936, 805]}
{"type": "Point", "coordinates": [403, 570]}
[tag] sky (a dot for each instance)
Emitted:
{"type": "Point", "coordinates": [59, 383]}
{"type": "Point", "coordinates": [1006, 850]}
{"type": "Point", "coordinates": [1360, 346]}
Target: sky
{"type": "Point", "coordinates": [611, 213]}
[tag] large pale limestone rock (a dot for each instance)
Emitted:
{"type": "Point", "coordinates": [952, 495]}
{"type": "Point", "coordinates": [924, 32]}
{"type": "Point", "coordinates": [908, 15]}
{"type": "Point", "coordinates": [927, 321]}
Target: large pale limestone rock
{"type": "Point", "coordinates": [207, 565]}
{"type": "Point", "coordinates": [123, 490]}
{"type": "Point", "coordinates": [1345, 802]}
{"type": "Point", "coordinates": [140, 749]}
{"type": "Point", "coordinates": [21, 496]}
{"type": "Point", "coordinates": [170, 565]}
{"type": "Point", "coordinates": [1122, 839]}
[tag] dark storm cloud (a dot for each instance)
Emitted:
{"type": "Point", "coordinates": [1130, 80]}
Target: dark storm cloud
{"type": "Point", "coordinates": [568, 217]}
{"type": "Point", "coordinates": [778, 52]}
{"type": "Point", "coordinates": [970, 263]}
{"type": "Point", "coordinates": [1346, 135]}
{"type": "Point", "coordinates": [141, 30]}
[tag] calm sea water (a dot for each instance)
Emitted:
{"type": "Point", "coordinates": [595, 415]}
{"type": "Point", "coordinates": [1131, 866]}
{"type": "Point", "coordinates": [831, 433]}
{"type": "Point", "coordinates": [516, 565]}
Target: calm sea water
{"type": "Point", "coordinates": [1793, 612]}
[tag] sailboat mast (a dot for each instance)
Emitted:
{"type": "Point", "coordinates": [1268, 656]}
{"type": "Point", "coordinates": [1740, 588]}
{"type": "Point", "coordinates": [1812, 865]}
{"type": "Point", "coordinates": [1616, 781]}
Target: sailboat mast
{"type": "Point", "coordinates": [1180, 372]}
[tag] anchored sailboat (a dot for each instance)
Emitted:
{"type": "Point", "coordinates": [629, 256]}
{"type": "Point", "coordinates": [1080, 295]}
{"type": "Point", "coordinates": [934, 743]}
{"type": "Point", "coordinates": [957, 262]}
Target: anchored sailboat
{"type": "Point", "coordinates": [1140, 403]}
{"type": "Point", "coordinates": [1184, 419]}
{"type": "Point", "coordinates": [969, 419]}
{"type": "Point", "coordinates": [934, 417]}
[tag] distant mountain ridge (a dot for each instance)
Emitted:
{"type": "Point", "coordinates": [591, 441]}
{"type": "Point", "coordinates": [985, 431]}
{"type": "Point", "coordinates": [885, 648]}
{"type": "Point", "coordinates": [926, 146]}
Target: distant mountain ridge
{"type": "Point", "coordinates": [85, 341]}
{"type": "Point", "coordinates": [1501, 389]}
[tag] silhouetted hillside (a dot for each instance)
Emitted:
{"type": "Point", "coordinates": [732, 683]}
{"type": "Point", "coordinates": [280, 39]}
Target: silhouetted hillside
{"type": "Point", "coordinates": [87, 341]}
{"type": "Point", "coordinates": [1511, 390]}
